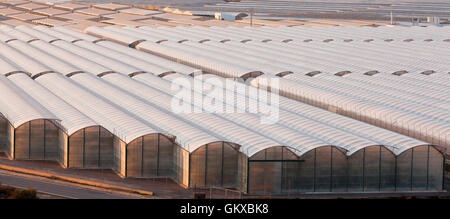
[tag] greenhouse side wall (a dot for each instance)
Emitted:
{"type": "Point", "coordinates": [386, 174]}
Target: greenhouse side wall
{"type": "Point", "coordinates": [328, 169]}
{"type": "Point", "coordinates": [3, 134]}
{"type": "Point", "coordinates": [215, 165]}
{"type": "Point", "coordinates": [63, 146]}
{"type": "Point", "coordinates": [119, 156]}
{"type": "Point", "coordinates": [181, 166]}
{"type": "Point", "coordinates": [91, 147]}
{"type": "Point", "coordinates": [150, 156]}
{"type": "Point", "coordinates": [36, 140]}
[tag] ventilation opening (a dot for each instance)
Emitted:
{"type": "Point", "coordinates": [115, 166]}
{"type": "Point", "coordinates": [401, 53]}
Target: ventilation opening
{"type": "Point", "coordinates": [52, 41]}
{"type": "Point", "coordinates": [161, 41]}
{"type": "Point", "coordinates": [253, 74]}
{"type": "Point", "coordinates": [371, 73]}
{"type": "Point", "coordinates": [7, 41]}
{"type": "Point", "coordinates": [29, 41]}
{"type": "Point", "coordinates": [287, 41]}
{"type": "Point", "coordinates": [134, 44]}
{"type": "Point", "coordinates": [428, 40]}
{"type": "Point", "coordinates": [105, 73]}
{"type": "Point", "coordinates": [205, 40]}
{"type": "Point", "coordinates": [165, 74]}
{"type": "Point", "coordinates": [42, 73]}
{"type": "Point", "coordinates": [389, 40]}
{"type": "Point", "coordinates": [224, 41]}
{"type": "Point", "coordinates": [193, 74]}
{"type": "Point", "coordinates": [348, 40]}
{"type": "Point", "coordinates": [307, 41]}
{"type": "Point", "coordinates": [99, 40]}
{"type": "Point", "coordinates": [136, 73]}
{"type": "Point", "coordinates": [368, 40]}
{"type": "Point", "coordinates": [74, 41]}
{"type": "Point", "coordinates": [447, 40]}
{"type": "Point", "coordinates": [182, 41]}
{"type": "Point", "coordinates": [343, 73]}
{"type": "Point", "coordinates": [429, 72]}
{"type": "Point", "coordinates": [247, 40]}
{"type": "Point", "coordinates": [267, 40]}
{"type": "Point", "coordinates": [313, 73]}
{"type": "Point", "coordinates": [400, 73]}
{"type": "Point", "coordinates": [327, 40]}
{"type": "Point", "coordinates": [17, 72]}
{"type": "Point", "coordinates": [74, 73]}
{"type": "Point", "coordinates": [282, 74]}
{"type": "Point", "coordinates": [408, 40]}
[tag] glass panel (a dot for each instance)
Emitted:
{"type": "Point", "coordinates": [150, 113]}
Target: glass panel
{"type": "Point", "coordinates": [306, 169]}
{"type": "Point", "coordinates": [150, 156]}
{"type": "Point", "coordinates": [256, 178]}
{"type": "Point", "coordinates": [62, 141]}
{"type": "Point", "coordinates": [165, 166]}
{"type": "Point", "coordinates": [117, 155]}
{"type": "Point", "coordinates": [355, 171]}
{"type": "Point", "coordinates": [387, 170]}
{"type": "Point", "coordinates": [420, 164]}
{"type": "Point", "coordinates": [230, 166]}
{"type": "Point", "coordinates": [3, 134]}
{"type": "Point", "coordinates": [51, 141]}
{"type": "Point", "coordinates": [435, 170]}
{"type": "Point", "coordinates": [214, 164]}
{"type": "Point", "coordinates": [37, 140]}
{"type": "Point", "coordinates": [10, 133]}
{"type": "Point", "coordinates": [259, 156]}
{"type": "Point", "coordinates": [106, 149]}
{"type": "Point", "coordinates": [404, 171]}
{"type": "Point", "coordinates": [339, 179]}
{"type": "Point", "coordinates": [76, 149]}
{"type": "Point", "coordinates": [272, 177]}
{"type": "Point", "coordinates": [198, 164]}
{"type": "Point", "coordinates": [22, 141]}
{"type": "Point", "coordinates": [372, 168]}
{"type": "Point", "coordinates": [134, 158]}
{"type": "Point", "coordinates": [91, 147]}
{"type": "Point", "coordinates": [323, 169]}
{"type": "Point", "coordinates": [274, 153]}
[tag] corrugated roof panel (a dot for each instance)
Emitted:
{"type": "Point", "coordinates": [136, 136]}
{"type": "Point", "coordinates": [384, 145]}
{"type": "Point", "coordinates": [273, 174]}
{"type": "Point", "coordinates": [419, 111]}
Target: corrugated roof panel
{"type": "Point", "coordinates": [187, 136]}
{"type": "Point", "coordinates": [33, 66]}
{"type": "Point", "coordinates": [119, 122]}
{"type": "Point", "coordinates": [13, 98]}
{"type": "Point", "coordinates": [72, 120]}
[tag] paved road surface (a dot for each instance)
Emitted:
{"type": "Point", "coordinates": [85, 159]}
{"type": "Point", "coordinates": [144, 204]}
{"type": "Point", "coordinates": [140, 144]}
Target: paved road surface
{"type": "Point", "coordinates": [56, 189]}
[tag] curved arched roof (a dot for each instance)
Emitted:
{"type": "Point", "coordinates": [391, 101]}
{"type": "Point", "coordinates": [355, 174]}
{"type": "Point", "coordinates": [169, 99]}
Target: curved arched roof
{"type": "Point", "coordinates": [71, 120]}
{"type": "Point", "coordinates": [301, 127]}
{"type": "Point", "coordinates": [18, 107]}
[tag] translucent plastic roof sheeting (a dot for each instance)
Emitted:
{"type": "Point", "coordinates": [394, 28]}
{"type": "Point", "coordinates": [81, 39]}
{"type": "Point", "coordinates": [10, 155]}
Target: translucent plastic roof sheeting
{"type": "Point", "coordinates": [115, 120]}
{"type": "Point", "coordinates": [187, 136]}
{"type": "Point", "coordinates": [325, 125]}
{"type": "Point", "coordinates": [140, 106]}
{"type": "Point", "coordinates": [32, 66]}
{"type": "Point", "coordinates": [17, 107]}
{"type": "Point", "coordinates": [72, 120]}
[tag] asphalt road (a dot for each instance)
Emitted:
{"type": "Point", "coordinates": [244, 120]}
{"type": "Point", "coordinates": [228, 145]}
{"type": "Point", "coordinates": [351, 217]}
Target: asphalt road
{"type": "Point", "coordinates": [56, 189]}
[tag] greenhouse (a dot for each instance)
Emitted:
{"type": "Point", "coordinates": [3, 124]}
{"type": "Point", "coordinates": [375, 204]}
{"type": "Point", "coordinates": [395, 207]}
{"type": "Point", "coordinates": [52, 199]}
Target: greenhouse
{"type": "Point", "coordinates": [90, 103]}
{"type": "Point", "coordinates": [35, 140]}
{"type": "Point", "coordinates": [328, 169]}
{"type": "Point", "coordinates": [90, 147]}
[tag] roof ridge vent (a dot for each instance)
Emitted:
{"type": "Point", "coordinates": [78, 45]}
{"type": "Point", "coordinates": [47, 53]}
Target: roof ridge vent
{"type": "Point", "coordinates": [313, 73]}
{"type": "Point", "coordinates": [400, 73]}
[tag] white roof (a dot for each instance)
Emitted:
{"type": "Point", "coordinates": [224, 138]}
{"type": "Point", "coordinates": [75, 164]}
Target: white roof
{"type": "Point", "coordinates": [18, 107]}
{"type": "Point", "coordinates": [72, 120]}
